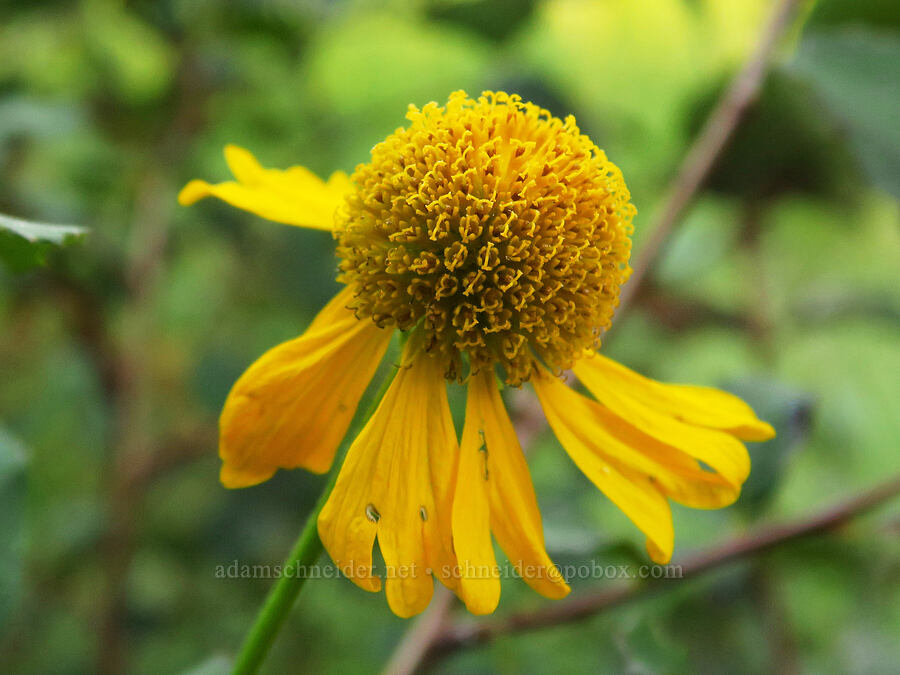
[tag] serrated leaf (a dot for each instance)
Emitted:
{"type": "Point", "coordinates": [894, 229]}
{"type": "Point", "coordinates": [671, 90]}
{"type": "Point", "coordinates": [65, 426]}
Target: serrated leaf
{"type": "Point", "coordinates": [25, 244]}
{"type": "Point", "coordinates": [12, 502]}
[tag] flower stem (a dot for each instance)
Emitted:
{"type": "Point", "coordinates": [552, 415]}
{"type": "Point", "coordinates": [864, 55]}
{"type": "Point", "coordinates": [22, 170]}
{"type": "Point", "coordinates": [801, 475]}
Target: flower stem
{"type": "Point", "coordinates": [282, 596]}
{"type": "Point", "coordinates": [306, 551]}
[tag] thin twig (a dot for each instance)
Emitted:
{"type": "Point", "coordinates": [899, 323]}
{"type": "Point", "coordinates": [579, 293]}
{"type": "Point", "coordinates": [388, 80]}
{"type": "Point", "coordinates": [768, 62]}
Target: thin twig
{"type": "Point", "coordinates": [710, 144]}
{"type": "Point", "coordinates": [416, 642]}
{"type": "Point", "coordinates": [471, 634]}
{"type": "Point", "coordinates": [129, 436]}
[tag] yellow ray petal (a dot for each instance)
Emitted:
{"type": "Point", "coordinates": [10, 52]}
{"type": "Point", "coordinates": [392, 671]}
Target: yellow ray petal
{"type": "Point", "coordinates": [633, 452]}
{"type": "Point", "coordinates": [387, 481]}
{"type": "Point", "coordinates": [514, 516]}
{"type": "Point", "coordinates": [725, 454]}
{"type": "Point", "coordinates": [443, 457]}
{"type": "Point", "coordinates": [479, 584]}
{"type": "Point", "coordinates": [637, 495]}
{"type": "Point", "coordinates": [295, 196]}
{"type": "Point", "coordinates": [348, 523]}
{"type": "Point", "coordinates": [292, 407]}
{"type": "Point", "coordinates": [630, 393]}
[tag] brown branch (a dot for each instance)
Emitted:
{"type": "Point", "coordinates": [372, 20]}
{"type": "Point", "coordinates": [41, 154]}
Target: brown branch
{"type": "Point", "coordinates": [179, 448]}
{"type": "Point", "coordinates": [417, 641]}
{"type": "Point", "coordinates": [676, 313]}
{"type": "Point", "coordinates": [472, 634]}
{"type": "Point", "coordinates": [132, 442]}
{"type": "Point", "coordinates": [710, 144]}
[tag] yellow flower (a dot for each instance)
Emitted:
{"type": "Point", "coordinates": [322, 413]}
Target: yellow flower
{"type": "Point", "coordinates": [496, 237]}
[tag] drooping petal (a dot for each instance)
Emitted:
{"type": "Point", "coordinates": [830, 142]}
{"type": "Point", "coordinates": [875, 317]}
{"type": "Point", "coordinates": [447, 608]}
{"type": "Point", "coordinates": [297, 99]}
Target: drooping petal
{"type": "Point", "coordinates": [295, 196]}
{"type": "Point", "coordinates": [723, 453]}
{"type": "Point", "coordinates": [610, 467]}
{"type": "Point", "coordinates": [387, 482]}
{"type": "Point", "coordinates": [633, 395]}
{"type": "Point", "coordinates": [514, 516]}
{"type": "Point", "coordinates": [292, 407]}
{"type": "Point", "coordinates": [348, 523]}
{"type": "Point", "coordinates": [632, 451]}
{"type": "Point", "coordinates": [479, 584]}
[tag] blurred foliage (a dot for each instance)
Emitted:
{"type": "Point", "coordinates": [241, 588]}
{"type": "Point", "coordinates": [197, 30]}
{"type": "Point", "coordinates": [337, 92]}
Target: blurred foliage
{"type": "Point", "coordinates": [24, 245]}
{"type": "Point", "coordinates": [856, 74]}
{"type": "Point", "coordinates": [790, 411]}
{"type": "Point", "coordinates": [782, 284]}
{"type": "Point", "coordinates": [783, 147]}
{"type": "Point", "coordinates": [12, 502]}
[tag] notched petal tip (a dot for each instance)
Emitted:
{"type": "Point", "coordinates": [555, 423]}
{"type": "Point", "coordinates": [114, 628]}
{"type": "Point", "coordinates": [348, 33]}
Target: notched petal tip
{"type": "Point", "coordinates": [755, 432]}
{"type": "Point", "coordinates": [193, 192]}
{"type": "Point", "coordinates": [234, 478]}
{"type": "Point", "coordinates": [349, 540]}
{"type": "Point", "coordinates": [409, 596]}
{"type": "Point", "coordinates": [243, 164]}
{"type": "Point", "coordinates": [237, 153]}
{"type": "Point", "coordinates": [557, 590]}
{"type": "Point", "coordinates": [294, 196]}
{"type": "Point", "coordinates": [339, 181]}
{"type": "Point", "coordinates": [659, 555]}
{"type": "Point", "coordinates": [482, 596]}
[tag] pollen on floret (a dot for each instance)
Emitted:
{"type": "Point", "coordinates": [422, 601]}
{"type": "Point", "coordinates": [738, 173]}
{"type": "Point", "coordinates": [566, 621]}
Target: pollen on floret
{"type": "Point", "coordinates": [498, 231]}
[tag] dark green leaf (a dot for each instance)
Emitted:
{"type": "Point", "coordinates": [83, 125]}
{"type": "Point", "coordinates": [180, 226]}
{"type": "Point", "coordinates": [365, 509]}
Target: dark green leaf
{"type": "Point", "coordinates": [875, 13]}
{"type": "Point", "coordinates": [855, 73]}
{"type": "Point", "coordinates": [25, 244]}
{"type": "Point", "coordinates": [790, 411]}
{"type": "Point", "coordinates": [492, 19]}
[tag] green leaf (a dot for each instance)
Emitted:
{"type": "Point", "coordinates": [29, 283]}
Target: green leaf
{"type": "Point", "coordinates": [790, 411]}
{"type": "Point", "coordinates": [12, 503]}
{"type": "Point", "coordinates": [139, 62]}
{"type": "Point", "coordinates": [24, 244]}
{"type": "Point", "coordinates": [876, 13]}
{"type": "Point", "coordinates": [491, 19]}
{"type": "Point", "coordinates": [854, 72]}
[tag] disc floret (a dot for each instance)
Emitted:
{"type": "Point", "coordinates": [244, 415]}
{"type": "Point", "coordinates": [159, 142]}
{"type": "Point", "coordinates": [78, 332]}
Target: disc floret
{"type": "Point", "coordinates": [498, 231]}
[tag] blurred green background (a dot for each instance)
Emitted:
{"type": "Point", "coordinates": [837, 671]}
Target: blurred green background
{"type": "Point", "coordinates": [116, 353]}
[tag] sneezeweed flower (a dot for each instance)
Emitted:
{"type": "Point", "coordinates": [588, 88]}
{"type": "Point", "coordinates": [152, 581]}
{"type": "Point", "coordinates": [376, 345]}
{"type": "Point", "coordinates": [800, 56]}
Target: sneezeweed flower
{"type": "Point", "coordinates": [496, 237]}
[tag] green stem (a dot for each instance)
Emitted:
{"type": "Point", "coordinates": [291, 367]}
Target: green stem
{"type": "Point", "coordinates": [283, 594]}
{"type": "Point", "coordinates": [306, 551]}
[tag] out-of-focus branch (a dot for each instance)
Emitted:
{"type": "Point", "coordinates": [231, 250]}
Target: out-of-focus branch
{"type": "Point", "coordinates": [709, 145]}
{"type": "Point", "coordinates": [136, 455]}
{"type": "Point", "coordinates": [471, 634]}
{"type": "Point", "coordinates": [411, 650]}
{"type": "Point", "coordinates": [178, 448]}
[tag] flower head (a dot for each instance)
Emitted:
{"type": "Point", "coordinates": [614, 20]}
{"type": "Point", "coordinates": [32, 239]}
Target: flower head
{"type": "Point", "coordinates": [492, 234]}
{"type": "Point", "coordinates": [499, 231]}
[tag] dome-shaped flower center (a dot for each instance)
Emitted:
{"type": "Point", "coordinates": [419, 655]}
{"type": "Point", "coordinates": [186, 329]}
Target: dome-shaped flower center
{"type": "Point", "coordinates": [499, 231]}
